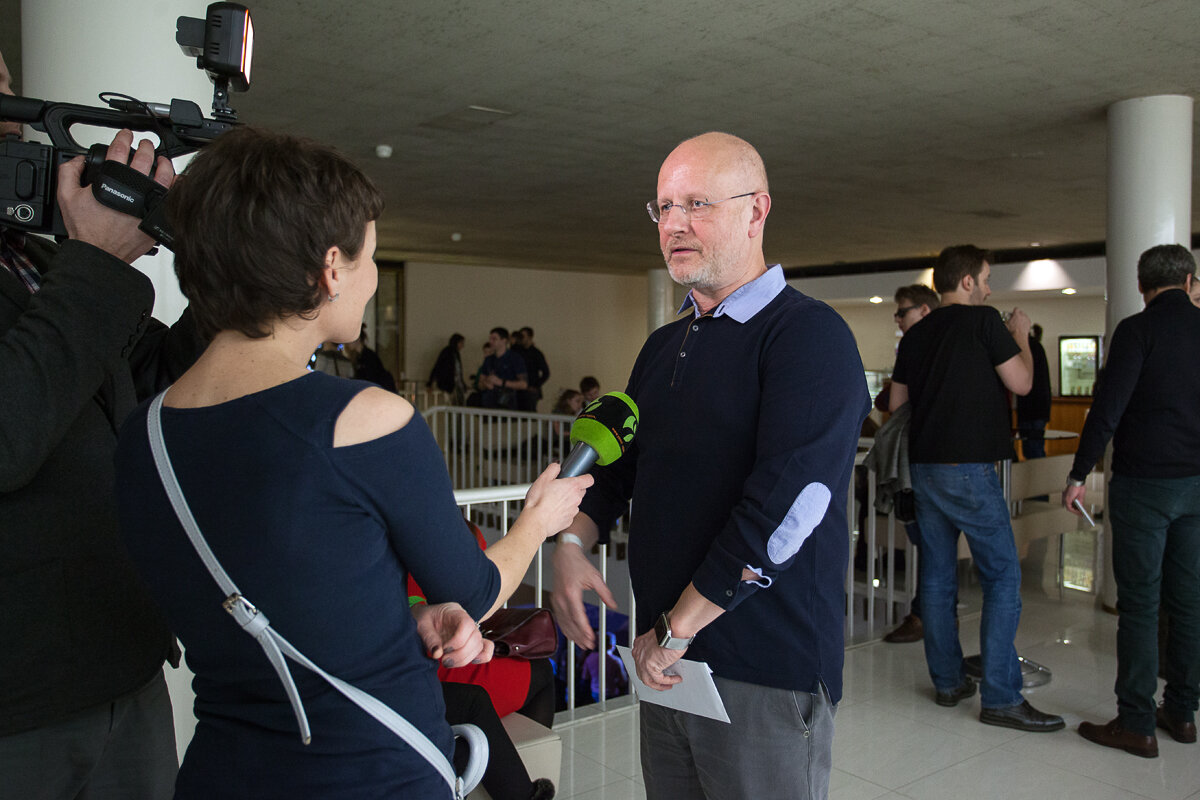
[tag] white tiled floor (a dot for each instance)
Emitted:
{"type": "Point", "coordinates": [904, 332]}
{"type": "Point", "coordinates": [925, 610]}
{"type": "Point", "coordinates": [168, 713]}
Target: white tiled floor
{"type": "Point", "coordinates": [894, 742]}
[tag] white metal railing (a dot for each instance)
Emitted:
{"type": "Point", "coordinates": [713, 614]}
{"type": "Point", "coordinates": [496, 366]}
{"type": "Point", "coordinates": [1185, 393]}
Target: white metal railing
{"type": "Point", "coordinates": [484, 447]}
{"type": "Point", "coordinates": [498, 505]}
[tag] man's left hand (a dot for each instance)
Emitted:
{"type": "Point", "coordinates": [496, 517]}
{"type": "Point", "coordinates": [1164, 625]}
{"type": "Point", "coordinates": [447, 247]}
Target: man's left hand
{"type": "Point", "coordinates": [451, 635]}
{"type": "Point", "coordinates": [650, 661]}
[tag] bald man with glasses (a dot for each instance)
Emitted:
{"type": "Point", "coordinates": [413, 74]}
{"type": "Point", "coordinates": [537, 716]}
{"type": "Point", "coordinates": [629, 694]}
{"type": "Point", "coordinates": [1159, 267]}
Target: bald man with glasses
{"type": "Point", "coordinates": [751, 405]}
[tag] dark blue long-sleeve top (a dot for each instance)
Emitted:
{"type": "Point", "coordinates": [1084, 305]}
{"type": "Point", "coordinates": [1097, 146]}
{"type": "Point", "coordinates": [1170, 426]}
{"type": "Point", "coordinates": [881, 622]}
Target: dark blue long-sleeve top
{"type": "Point", "coordinates": [321, 540]}
{"type": "Point", "coordinates": [749, 423]}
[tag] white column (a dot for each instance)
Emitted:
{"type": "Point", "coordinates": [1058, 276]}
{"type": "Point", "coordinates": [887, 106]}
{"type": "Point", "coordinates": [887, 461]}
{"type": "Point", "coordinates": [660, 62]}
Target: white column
{"type": "Point", "coordinates": [72, 51]}
{"type": "Point", "coordinates": [1149, 190]}
{"type": "Point", "coordinates": [659, 296]}
{"type": "Point", "coordinates": [1149, 203]}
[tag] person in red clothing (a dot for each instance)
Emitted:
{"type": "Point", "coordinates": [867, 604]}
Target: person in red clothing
{"type": "Point", "coordinates": [480, 694]}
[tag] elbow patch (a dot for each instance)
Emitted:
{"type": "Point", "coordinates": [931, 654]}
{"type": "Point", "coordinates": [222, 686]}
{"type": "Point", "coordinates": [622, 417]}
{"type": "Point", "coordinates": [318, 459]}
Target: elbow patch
{"type": "Point", "coordinates": [806, 513]}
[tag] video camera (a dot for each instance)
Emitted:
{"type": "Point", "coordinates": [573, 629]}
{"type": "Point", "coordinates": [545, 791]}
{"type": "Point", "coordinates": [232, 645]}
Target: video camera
{"type": "Point", "coordinates": [222, 44]}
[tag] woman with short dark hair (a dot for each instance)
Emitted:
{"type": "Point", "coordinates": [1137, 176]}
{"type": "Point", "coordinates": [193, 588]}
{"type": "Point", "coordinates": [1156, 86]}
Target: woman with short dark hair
{"type": "Point", "coordinates": [318, 495]}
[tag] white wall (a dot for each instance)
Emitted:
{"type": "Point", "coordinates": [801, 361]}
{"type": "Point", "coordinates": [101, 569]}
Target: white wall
{"type": "Point", "coordinates": [585, 323]}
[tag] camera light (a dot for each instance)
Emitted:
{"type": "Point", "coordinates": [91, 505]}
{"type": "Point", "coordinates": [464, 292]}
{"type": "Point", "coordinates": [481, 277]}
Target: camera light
{"type": "Point", "coordinates": [222, 43]}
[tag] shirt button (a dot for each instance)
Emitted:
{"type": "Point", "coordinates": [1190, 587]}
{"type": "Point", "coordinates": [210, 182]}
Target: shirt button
{"type": "Point", "coordinates": [695, 327]}
{"type": "Point", "coordinates": [682, 354]}
{"type": "Point", "coordinates": [729, 593]}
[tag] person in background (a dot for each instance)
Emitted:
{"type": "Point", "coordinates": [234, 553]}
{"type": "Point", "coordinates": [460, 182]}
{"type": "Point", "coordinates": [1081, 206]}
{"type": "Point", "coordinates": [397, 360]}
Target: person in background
{"type": "Point", "coordinates": [536, 368]}
{"type": "Point", "coordinates": [1147, 403]}
{"type": "Point", "coordinates": [955, 367]}
{"type": "Point", "coordinates": [589, 387]}
{"type": "Point", "coordinates": [616, 678]}
{"type": "Point", "coordinates": [481, 694]}
{"type": "Point", "coordinates": [913, 304]}
{"type": "Point", "coordinates": [367, 364]}
{"type": "Point", "coordinates": [84, 710]}
{"type": "Point", "coordinates": [447, 372]}
{"type": "Point", "coordinates": [320, 494]}
{"type": "Point", "coordinates": [503, 373]}
{"type": "Point", "coordinates": [1033, 409]}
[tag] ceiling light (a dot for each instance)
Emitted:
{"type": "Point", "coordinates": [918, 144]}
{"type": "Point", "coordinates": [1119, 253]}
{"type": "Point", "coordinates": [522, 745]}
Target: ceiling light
{"type": "Point", "coordinates": [383, 150]}
{"type": "Point", "coordinates": [876, 300]}
{"type": "Point", "coordinates": [1068, 290]}
{"type": "Point", "coordinates": [456, 237]}
{"type": "Point", "coordinates": [1035, 244]}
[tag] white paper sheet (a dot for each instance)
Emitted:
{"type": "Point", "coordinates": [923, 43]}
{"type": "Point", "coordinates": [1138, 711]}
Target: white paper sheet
{"type": "Point", "coordinates": [695, 694]}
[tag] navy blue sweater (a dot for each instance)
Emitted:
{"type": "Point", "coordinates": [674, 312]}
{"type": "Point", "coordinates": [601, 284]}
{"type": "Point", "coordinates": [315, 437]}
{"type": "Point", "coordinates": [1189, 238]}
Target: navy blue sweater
{"type": "Point", "coordinates": [746, 442]}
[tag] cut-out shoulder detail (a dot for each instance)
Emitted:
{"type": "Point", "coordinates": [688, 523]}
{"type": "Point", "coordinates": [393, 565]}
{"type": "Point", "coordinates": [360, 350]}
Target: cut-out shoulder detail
{"type": "Point", "coordinates": [371, 414]}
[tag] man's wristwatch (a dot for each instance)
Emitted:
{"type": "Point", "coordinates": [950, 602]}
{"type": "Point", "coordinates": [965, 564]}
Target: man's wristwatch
{"type": "Point", "coordinates": [662, 630]}
{"type": "Point", "coordinates": [1072, 482]}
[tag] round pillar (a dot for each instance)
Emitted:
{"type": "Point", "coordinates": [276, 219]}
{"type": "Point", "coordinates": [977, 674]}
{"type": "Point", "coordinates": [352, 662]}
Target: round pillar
{"type": "Point", "coordinates": [659, 296]}
{"type": "Point", "coordinates": [1149, 203]}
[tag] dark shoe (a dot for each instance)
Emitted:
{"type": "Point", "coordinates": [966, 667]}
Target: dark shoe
{"type": "Point", "coordinates": [910, 630]}
{"type": "Point", "coordinates": [1114, 735]}
{"type": "Point", "coordinates": [1022, 717]}
{"type": "Point", "coordinates": [949, 699]}
{"type": "Point", "coordinates": [1180, 731]}
{"type": "Point", "coordinates": [543, 789]}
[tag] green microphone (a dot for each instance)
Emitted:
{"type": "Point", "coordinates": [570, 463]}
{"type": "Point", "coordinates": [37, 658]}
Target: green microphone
{"type": "Point", "coordinates": [601, 433]}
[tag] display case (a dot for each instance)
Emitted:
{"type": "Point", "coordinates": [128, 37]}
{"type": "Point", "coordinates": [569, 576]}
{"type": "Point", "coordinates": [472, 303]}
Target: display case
{"type": "Point", "coordinates": [1079, 360]}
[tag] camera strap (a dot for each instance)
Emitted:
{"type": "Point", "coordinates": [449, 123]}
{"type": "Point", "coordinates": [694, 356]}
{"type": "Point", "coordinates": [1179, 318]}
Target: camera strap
{"type": "Point", "coordinates": [121, 187]}
{"type": "Point", "coordinates": [255, 623]}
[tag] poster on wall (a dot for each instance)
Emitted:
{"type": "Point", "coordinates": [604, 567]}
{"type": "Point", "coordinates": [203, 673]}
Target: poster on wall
{"type": "Point", "coordinates": [1079, 359]}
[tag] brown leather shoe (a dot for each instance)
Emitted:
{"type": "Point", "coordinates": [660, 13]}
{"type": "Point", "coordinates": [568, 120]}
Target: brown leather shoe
{"type": "Point", "coordinates": [1114, 735]}
{"type": "Point", "coordinates": [1180, 731]}
{"type": "Point", "coordinates": [910, 630]}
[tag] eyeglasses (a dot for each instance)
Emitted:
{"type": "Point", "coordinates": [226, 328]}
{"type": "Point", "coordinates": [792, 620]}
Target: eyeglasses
{"type": "Point", "coordinates": [692, 209]}
{"type": "Point", "coordinates": [900, 312]}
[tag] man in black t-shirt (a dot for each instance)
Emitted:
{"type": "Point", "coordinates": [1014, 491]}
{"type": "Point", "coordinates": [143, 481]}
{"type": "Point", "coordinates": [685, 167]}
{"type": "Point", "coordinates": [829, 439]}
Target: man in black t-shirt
{"type": "Point", "coordinates": [954, 366]}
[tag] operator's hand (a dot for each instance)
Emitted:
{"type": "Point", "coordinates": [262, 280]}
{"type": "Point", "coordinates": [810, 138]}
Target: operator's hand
{"type": "Point", "coordinates": [89, 221]}
{"type": "Point", "coordinates": [573, 573]}
{"type": "Point", "coordinates": [650, 660]}
{"type": "Point", "coordinates": [1070, 495]}
{"type": "Point", "coordinates": [450, 635]}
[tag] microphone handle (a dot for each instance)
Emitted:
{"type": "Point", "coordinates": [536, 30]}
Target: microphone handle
{"type": "Point", "coordinates": [579, 461]}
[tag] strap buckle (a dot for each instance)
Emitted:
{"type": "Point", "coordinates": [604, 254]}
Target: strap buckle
{"type": "Point", "coordinates": [245, 613]}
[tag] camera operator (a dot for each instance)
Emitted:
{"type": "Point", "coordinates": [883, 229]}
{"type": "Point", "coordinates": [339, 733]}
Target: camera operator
{"type": "Point", "coordinates": [84, 709]}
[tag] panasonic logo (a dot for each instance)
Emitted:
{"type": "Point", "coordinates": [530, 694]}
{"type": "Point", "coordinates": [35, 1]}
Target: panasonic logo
{"type": "Point", "coordinates": [113, 191]}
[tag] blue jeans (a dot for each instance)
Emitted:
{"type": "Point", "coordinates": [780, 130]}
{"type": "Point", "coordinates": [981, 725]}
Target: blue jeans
{"type": "Point", "coordinates": [967, 497]}
{"type": "Point", "coordinates": [1156, 554]}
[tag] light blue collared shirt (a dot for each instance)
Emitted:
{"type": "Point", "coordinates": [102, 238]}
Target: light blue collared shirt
{"type": "Point", "coordinates": [748, 299]}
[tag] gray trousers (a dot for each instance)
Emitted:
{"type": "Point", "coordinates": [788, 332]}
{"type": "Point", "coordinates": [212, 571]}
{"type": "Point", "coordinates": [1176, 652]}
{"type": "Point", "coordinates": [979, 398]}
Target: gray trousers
{"type": "Point", "coordinates": [778, 744]}
{"type": "Point", "coordinates": [123, 750]}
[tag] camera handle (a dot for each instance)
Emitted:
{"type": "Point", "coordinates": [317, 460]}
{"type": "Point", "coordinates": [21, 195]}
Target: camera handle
{"type": "Point", "coordinates": [123, 188]}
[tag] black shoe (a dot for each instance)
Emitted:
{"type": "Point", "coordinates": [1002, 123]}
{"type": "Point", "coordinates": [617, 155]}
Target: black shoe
{"type": "Point", "coordinates": [1022, 717]}
{"type": "Point", "coordinates": [910, 630]}
{"type": "Point", "coordinates": [950, 698]}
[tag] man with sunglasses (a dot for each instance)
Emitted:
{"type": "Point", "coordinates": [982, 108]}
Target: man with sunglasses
{"type": "Point", "coordinates": [913, 304]}
{"type": "Point", "coordinates": [751, 405]}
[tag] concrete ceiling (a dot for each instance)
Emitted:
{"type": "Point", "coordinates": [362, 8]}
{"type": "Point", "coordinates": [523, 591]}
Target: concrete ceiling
{"type": "Point", "coordinates": [889, 128]}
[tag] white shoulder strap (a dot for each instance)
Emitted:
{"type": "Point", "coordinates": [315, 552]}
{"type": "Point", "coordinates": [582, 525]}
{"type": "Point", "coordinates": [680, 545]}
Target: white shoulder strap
{"type": "Point", "coordinates": [255, 623]}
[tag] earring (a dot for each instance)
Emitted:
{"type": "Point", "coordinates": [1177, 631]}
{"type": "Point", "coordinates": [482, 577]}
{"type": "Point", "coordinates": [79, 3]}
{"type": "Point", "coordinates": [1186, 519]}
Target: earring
{"type": "Point", "coordinates": [333, 297]}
